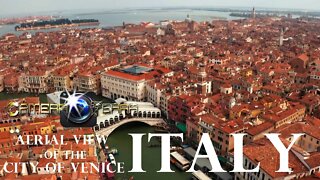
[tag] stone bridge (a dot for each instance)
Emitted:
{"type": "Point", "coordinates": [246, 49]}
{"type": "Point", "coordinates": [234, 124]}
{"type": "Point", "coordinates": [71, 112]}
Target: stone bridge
{"type": "Point", "coordinates": [109, 129]}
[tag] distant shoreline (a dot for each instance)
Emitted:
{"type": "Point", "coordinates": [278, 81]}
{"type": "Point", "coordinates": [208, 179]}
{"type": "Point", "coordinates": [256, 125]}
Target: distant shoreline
{"type": "Point", "coordinates": [25, 19]}
{"type": "Point", "coordinates": [111, 18]}
{"type": "Point", "coordinates": [57, 26]}
{"type": "Point", "coordinates": [58, 23]}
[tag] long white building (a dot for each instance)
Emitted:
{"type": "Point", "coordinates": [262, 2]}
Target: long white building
{"type": "Point", "coordinates": [130, 82]}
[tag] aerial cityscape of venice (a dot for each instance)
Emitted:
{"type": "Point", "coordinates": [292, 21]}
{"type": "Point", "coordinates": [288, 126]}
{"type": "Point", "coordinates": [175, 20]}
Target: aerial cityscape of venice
{"type": "Point", "coordinates": [159, 90]}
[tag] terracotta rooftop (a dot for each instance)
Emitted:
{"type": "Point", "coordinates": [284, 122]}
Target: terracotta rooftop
{"type": "Point", "coordinates": [255, 130]}
{"type": "Point", "coordinates": [264, 152]}
{"type": "Point", "coordinates": [133, 77]}
{"type": "Point", "coordinates": [287, 130]}
{"type": "Point", "coordinates": [303, 57]}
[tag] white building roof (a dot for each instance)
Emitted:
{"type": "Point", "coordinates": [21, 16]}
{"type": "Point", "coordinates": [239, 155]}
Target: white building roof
{"type": "Point", "coordinates": [200, 175]}
{"type": "Point", "coordinates": [183, 161]}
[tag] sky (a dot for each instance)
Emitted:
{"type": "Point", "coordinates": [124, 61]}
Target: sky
{"type": "Point", "coordinates": [31, 7]}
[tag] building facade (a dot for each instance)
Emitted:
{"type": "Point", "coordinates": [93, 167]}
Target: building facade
{"type": "Point", "coordinates": [87, 83]}
{"type": "Point", "coordinates": [36, 82]}
{"type": "Point", "coordinates": [129, 82]}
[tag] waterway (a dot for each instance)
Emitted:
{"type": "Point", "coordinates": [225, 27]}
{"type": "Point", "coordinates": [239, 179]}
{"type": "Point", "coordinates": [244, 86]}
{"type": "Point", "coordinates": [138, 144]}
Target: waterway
{"type": "Point", "coordinates": [43, 97]}
{"type": "Point", "coordinates": [151, 156]}
{"type": "Point", "coordinates": [7, 96]}
{"type": "Point", "coordinates": [117, 17]}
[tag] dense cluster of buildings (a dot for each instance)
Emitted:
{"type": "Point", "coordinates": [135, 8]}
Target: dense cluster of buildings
{"type": "Point", "coordinates": [251, 76]}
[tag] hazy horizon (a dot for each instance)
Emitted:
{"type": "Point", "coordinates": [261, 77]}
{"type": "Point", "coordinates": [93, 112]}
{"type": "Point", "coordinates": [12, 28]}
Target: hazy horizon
{"type": "Point", "coordinates": [33, 7]}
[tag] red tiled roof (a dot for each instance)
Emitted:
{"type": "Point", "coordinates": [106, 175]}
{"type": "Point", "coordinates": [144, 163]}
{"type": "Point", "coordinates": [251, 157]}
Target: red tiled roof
{"type": "Point", "coordinates": [288, 130]}
{"type": "Point", "coordinates": [259, 129]}
{"type": "Point", "coordinates": [264, 152]}
{"type": "Point", "coordinates": [39, 177]}
{"type": "Point", "coordinates": [44, 161]}
{"type": "Point", "coordinates": [131, 77]}
{"type": "Point", "coordinates": [303, 57]}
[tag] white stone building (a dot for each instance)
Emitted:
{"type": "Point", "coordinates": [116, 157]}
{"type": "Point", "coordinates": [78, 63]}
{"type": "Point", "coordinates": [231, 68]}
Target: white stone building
{"type": "Point", "coordinates": [130, 82]}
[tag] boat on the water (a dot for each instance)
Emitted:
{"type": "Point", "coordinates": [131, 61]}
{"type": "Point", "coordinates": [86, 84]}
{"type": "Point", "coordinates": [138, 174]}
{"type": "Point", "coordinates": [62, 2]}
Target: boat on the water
{"type": "Point", "coordinates": [113, 151]}
{"type": "Point", "coordinates": [178, 160]}
{"type": "Point", "coordinates": [175, 148]}
{"type": "Point", "coordinates": [112, 159]}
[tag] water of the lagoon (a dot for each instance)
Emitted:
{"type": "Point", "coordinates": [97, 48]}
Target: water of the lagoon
{"type": "Point", "coordinates": [151, 156]}
{"type": "Point", "coordinates": [116, 18]}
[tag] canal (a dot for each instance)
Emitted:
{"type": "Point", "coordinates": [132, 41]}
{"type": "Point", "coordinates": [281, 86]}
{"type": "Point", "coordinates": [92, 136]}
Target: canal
{"type": "Point", "coordinates": [7, 96]}
{"type": "Point", "coordinates": [151, 156]}
{"type": "Point", "coordinates": [43, 97]}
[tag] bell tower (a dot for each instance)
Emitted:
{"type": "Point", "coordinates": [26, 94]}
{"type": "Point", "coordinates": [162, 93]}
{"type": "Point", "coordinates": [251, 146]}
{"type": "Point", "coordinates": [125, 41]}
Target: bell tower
{"type": "Point", "coordinates": [253, 14]}
{"type": "Point", "coordinates": [203, 86]}
{"type": "Point", "coordinates": [281, 37]}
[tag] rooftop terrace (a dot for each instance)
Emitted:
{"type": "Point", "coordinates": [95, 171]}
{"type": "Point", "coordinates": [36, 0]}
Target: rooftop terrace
{"type": "Point", "coordinates": [136, 70]}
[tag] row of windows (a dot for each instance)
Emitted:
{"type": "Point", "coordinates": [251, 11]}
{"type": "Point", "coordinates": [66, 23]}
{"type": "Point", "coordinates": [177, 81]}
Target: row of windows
{"type": "Point", "coordinates": [59, 78]}
{"type": "Point", "coordinates": [123, 92]}
{"type": "Point", "coordinates": [119, 80]}
{"type": "Point", "coordinates": [315, 77]}
{"type": "Point", "coordinates": [5, 129]}
{"type": "Point", "coordinates": [4, 145]}
{"type": "Point", "coordinates": [9, 152]}
{"type": "Point", "coordinates": [311, 139]}
{"type": "Point", "coordinates": [35, 81]}
{"type": "Point", "coordinates": [124, 86]}
{"type": "Point", "coordinates": [250, 176]}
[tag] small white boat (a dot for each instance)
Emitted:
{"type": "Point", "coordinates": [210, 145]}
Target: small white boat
{"type": "Point", "coordinates": [112, 159]}
{"type": "Point", "coordinates": [175, 148]}
{"type": "Point", "coordinates": [113, 151]}
{"type": "Point", "coordinates": [181, 162]}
